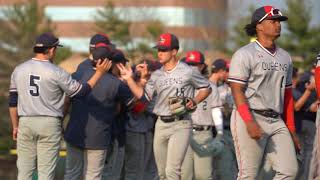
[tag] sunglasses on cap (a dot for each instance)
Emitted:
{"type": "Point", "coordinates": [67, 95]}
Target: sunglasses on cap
{"type": "Point", "coordinates": [272, 12]}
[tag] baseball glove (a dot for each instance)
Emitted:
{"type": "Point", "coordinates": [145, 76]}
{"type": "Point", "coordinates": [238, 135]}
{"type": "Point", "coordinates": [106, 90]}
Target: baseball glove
{"type": "Point", "coordinates": [177, 105]}
{"type": "Point", "coordinates": [211, 147]}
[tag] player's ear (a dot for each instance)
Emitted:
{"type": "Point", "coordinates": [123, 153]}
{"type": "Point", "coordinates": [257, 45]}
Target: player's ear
{"type": "Point", "coordinates": [174, 52]}
{"type": "Point", "coordinates": [52, 50]}
{"type": "Point", "coordinates": [259, 27]}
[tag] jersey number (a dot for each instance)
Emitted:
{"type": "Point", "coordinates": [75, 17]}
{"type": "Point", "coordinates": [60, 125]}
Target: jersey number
{"type": "Point", "coordinates": [34, 80]}
{"type": "Point", "coordinates": [204, 106]}
{"type": "Point", "coordinates": [180, 92]}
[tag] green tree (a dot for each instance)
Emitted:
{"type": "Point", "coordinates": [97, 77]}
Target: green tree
{"type": "Point", "coordinates": [301, 39]}
{"type": "Point", "coordinates": [239, 36]}
{"type": "Point", "coordinates": [153, 31]}
{"type": "Point", "coordinates": [21, 24]}
{"type": "Point", "coordinates": [108, 21]}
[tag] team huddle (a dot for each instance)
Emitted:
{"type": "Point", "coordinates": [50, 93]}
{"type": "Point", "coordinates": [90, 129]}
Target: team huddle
{"type": "Point", "coordinates": [168, 119]}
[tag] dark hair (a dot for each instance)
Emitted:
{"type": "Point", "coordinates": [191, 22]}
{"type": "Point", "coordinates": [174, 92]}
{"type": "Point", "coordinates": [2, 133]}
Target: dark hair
{"type": "Point", "coordinates": [216, 70]}
{"type": "Point", "coordinates": [91, 49]}
{"type": "Point", "coordinates": [251, 29]}
{"type": "Point", "coordinates": [205, 71]}
{"type": "Point", "coordinates": [41, 50]}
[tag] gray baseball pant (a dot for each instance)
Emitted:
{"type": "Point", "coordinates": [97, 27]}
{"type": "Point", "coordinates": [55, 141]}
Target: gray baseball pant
{"type": "Point", "coordinates": [194, 166]}
{"type": "Point", "coordinates": [171, 141]}
{"type": "Point", "coordinates": [84, 163]}
{"type": "Point", "coordinates": [139, 157]}
{"type": "Point", "coordinates": [276, 143]}
{"type": "Point", "coordinates": [113, 169]}
{"type": "Point", "coordinates": [314, 172]}
{"type": "Point", "coordinates": [38, 146]}
{"type": "Point", "coordinates": [225, 165]}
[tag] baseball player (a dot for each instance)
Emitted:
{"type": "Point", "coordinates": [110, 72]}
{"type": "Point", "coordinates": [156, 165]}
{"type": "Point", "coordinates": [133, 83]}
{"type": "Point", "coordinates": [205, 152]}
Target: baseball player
{"type": "Point", "coordinates": [225, 165]}
{"type": "Point", "coordinates": [207, 115]}
{"type": "Point", "coordinates": [260, 78]}
{"type": "Point", "coordinates": [114, 165]}
{"type": "Point", "coordinates": [173, 79]}
{"type": "Point", "coordinates": [96, 40]}
{"type": "Point", "coordinates": [37, 92]}
{"type": "Point", "coordinates": [139, 158]}
{"type": "Point", "coordinates": [88, 132]}
{"type": "Point", "coordinates": [74, 169]}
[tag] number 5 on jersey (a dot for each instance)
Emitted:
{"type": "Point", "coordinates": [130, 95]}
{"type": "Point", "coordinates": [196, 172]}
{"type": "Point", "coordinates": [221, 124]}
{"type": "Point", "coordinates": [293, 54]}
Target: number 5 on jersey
{"type": "Point", "coordinates": [34, 85]}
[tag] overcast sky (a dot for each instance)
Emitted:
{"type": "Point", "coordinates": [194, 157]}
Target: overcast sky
{"type": "Point", "coordinates": [240, 7]}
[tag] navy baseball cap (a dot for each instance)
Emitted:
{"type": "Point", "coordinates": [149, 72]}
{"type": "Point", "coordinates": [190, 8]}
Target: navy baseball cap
{"type": "Point", "coordinates": [194, 58]}
{"type": "Point", "coordinates": [167, 42]}
{"type": "Point", "coordinates": [99, 38]}
{"type": "Point", "coordinates": [102, 52]}
{"type": "Point", "coordinates": [47, 40]}
{"type": "Point", "coordinates": [152, 64]}
{"type": "Point", "coordinates": [267, 12]}
{"type": "Point", "coordinates": [219, 64]}
{"type": "Point", "coordinates": [119, 57]}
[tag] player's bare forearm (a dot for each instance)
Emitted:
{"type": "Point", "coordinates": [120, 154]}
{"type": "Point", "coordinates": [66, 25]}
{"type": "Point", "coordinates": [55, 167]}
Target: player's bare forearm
{"type": "Point", "coordinates": [302, 100]}
{"type": "Point", "coordinates": [142, 82]}
{"type": "Point", "coordinates": [238, 93]}
{"type": "Point", "coordinates": [14, 117]}
{"type": "Point", "coordinates": [136, 89]}
{"type": "Point", "coordinates": [202, 95]}
{"type": "Point", "coordinates": [94, 79]}
{"type": "Point", "coordinates": [13, 111]}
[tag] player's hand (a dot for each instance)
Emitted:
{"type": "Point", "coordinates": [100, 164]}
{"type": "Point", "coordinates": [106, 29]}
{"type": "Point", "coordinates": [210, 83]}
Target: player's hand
{"type": "Point", "coordinates": [191, 104]}
{"type": "Point", "coordinates": [143, 70]}
{"type": "Point", "coordinates": [314, 106]}
{"type": "Point", "coordinates": [254, 130]}
{"type": "Point", "coordinates": [103, 66]}
{"type": "Point", "coordinates": [125, 72]}
{"type": "Point", "coordinates": [14, 133]}
{"type": "Point", "coordinates": [310, 86]}
{"type": "Point", "coordinates": [296, 141]}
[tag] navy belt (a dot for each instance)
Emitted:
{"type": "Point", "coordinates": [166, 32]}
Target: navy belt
{"type": "Point", "coordinates": [266, 113]}
{"type": "Point", "coordinates": [168, 119]}
{"type": "Point", "coordinates": [201, 128]}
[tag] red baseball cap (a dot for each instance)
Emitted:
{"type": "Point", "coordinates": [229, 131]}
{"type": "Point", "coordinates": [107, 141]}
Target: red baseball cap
{"type": "Point", "coordinates": [194, 57]}
{"type": "Point", "coordinates": [167, 42]}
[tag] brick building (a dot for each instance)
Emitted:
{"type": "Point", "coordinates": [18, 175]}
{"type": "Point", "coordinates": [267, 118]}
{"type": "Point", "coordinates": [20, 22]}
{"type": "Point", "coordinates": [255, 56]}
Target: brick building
{"type": "Point", "coordinates": [195, 22]}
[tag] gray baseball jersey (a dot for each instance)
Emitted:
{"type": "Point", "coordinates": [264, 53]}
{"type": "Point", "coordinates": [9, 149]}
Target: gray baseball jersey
{"type": "Point", "coordinates": [225, 94]}
{"type": "Point", "coordinates": [40, 86]}
{"type": "Point", "coordinates": [266, 75]}
{"type": "Point", "coordinates": [202, 115]}
{"type": "Point", "coordinates": [180, 81]}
